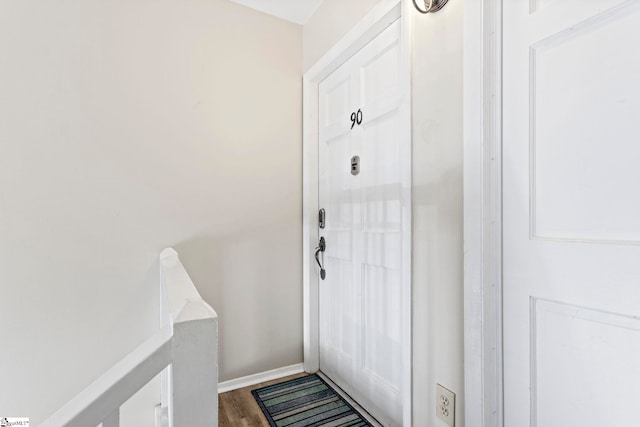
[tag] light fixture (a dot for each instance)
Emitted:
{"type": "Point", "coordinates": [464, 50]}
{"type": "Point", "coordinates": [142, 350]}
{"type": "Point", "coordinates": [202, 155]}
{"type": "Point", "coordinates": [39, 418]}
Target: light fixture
{"type": "Point", "coordinates": [430, 5]}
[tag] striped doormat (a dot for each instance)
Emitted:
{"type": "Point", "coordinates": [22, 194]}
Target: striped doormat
{"type": "Point", "coordinates": [306, 401]}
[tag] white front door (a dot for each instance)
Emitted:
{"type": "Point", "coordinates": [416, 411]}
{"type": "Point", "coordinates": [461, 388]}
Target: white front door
{"type": "Point", "coordinates": [364, 192]}
{"type": "Point", "coordinates": [571, 213]}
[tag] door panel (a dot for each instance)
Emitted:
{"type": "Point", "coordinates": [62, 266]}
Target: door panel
{"type": "Point", "coordinates": [571, 213]}
{"type": "Point", "coordinates": [585, 122]}
{"type": "Point", "coordinates": [361, 297]}
{"type": "Point", "coordinates": [382, 355]}
{"type": "Point", "coordinates": [379, 78]}
{"type": "Point", "coordinates": [337, 95]}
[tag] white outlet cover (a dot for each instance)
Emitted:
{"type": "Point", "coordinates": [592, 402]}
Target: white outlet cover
{"type": "Point", "coordinates": [446, 405]}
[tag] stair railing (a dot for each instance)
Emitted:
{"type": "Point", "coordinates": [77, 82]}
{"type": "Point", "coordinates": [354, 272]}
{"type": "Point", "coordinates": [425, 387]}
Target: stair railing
{"type": "Point", "coordinates": [185, 351]}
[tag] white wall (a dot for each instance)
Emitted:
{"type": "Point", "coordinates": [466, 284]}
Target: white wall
{"type": "Point", "coordinates": [126, 127]}
{"type": "Point", "coordinates": [437, 210]}
{"type": "Point", "coordinates": [437, 190]}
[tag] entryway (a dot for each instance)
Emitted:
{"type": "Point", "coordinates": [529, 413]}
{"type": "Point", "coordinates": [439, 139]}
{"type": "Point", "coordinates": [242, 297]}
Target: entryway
{"type": "Point", "coordinates": [357, 296]}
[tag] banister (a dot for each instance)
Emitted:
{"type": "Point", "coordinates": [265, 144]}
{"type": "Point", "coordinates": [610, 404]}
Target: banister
{"type": "Point", "coordinates": [185, 350]}
{"type": "Point", "coordinates": [195, 365]}
{"type": "Point", "coordinates": [115, 386]}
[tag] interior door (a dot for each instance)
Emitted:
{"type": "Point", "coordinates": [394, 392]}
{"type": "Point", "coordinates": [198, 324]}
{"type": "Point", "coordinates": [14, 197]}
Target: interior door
{"type": "Point", "coordinates": [361, 191]}
{"type": "Point", "coordinates": [571, 207]}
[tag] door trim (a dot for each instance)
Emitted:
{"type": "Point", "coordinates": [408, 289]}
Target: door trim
{"type": "Point", "coordinates": [483, 213]}
{"type": "Point", "coordinates": [380, 17]}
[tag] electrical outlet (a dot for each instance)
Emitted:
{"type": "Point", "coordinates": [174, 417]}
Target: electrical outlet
{"type": "Point", "coordinates": [446, 405]}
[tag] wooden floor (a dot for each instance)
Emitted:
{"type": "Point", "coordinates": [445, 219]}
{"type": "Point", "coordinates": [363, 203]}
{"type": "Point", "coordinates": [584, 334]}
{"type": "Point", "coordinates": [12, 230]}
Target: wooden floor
{"type": "Point", "coordinates": [239, 408]}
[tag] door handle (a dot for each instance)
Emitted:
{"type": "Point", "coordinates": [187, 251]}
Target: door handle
{"type": "Point", "coordinates": [322, 245]}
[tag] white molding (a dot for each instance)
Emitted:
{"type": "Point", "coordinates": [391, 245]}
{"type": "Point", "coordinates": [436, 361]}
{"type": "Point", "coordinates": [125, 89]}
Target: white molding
{"type": "Point", "coordinates": [260, 377]}
{"type": "Point", "coordinates": [482, 213]}
{"type": "Point", "coordinates": [406, 134]}
{"type": "Point", "coordinates": [381, 16]}
{"type": "Point", "coordinates": [309, 226]}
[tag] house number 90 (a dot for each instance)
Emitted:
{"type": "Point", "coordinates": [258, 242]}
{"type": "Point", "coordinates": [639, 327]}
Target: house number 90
{"type": "Point", "coordinates": [356, 118]}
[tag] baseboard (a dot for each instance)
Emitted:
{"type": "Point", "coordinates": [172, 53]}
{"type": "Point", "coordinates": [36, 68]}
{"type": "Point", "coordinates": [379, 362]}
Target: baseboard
{"type": "Point", "coordinates": [258, 378]}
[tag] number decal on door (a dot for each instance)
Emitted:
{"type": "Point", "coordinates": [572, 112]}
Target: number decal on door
{"type": "Point", "coordinates": [356, 118]}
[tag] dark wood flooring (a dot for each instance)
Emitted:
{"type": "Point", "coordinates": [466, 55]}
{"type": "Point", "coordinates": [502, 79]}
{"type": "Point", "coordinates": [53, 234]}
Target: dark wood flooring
{"type": "Point", "coordinates": [239, 408]}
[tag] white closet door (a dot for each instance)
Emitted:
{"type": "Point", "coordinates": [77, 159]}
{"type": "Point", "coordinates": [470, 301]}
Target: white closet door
{"type": "Point", "coordinates": [361, 297]}
{"type": "Point", "coordinates": [571, 213]}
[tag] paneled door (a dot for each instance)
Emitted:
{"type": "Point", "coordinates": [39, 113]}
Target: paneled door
{"type": "Point", "coordinates": [364, 193]}
{"type": "Point", "coordinates": [571, 213]}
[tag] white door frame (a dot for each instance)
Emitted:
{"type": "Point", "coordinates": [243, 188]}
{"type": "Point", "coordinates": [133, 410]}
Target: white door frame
{"type": "Point", "coordinates": [483, 213]}
{"type": "Point", "coordinates": [380, 17]}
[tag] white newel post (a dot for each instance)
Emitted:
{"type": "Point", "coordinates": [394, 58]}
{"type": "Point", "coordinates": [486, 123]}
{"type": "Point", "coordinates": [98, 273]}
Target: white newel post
{"type": "Point", "coordinates": [190, 384]}
{"type": "Point", "coordinates": [194, 372]}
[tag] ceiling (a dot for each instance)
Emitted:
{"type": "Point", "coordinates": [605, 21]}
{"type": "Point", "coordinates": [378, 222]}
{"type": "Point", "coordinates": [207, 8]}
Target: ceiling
{"type": "Point", "coordinates": [298, 11]}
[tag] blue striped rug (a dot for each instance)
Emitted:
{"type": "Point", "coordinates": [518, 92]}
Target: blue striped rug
{"type": "Point", "coordinates": [306, 401]}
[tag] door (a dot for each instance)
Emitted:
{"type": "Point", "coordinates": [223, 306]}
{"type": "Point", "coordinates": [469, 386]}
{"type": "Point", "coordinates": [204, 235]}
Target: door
{"type": "Point", "coordinates": [571, 213]}
{"type": "Point", "coordinates": [364, 192]}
